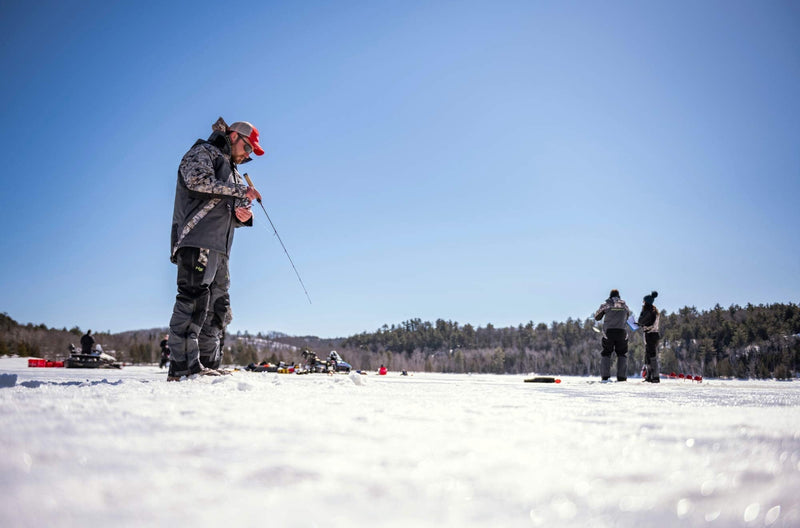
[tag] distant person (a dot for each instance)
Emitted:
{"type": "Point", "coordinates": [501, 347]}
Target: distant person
{"type": "Point", "coordinates": [382, 371]}
{"type": "Point", "coordinates": [211, 200]}
{"type": "Point", "coordinates": [649, 321]}
{"type": "Point", "coordinates": [87, 342]}
{"type": "Point", "coordinates": [164, 351]}
{"type": "Point", "coordinates": [311, 360]}
{"type": "Point", "coordinates": [614, 313]}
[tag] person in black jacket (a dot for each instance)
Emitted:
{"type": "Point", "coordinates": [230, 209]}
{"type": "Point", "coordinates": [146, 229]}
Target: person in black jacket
{"type": "Point", "coordinates": [87, 342]}
{"type": "Point", "coordinates": [164, 352]}
{"type": "Point", "coordinates": [649, 321]}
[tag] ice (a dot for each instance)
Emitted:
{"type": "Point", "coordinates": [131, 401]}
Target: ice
{"type": "Point", "coordinates": [126, 448]}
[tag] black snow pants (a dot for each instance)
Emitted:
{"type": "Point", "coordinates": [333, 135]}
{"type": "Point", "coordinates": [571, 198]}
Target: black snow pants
{"type": "Point", "coordinates": [201, 313]}
{"type": "Point", "coordinates": [614, 340]}
{"type": "Point", "coordinates": [651, 355]}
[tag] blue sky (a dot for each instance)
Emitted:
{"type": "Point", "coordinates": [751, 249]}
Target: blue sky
{"type": "Point", "coordinates": [482, 162]}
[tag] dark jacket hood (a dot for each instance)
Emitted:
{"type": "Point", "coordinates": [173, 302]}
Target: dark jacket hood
{"type": "Point", "coordinates": [223, 143]}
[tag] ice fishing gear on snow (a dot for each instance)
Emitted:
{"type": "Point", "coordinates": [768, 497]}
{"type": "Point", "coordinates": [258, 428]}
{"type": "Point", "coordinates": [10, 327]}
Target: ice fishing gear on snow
{"type": "Point", "coordinates": [250, 183]}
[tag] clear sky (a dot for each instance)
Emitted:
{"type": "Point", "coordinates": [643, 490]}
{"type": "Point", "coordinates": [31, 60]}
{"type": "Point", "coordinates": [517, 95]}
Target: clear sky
{"type": "Point", "coordinates": [483, 162]}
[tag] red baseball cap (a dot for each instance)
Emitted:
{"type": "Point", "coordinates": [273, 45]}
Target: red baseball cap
{"type": "Point", "coordinates": [250, 132]}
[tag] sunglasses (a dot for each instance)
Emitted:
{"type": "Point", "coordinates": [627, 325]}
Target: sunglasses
{"type": "Point", "coordinates": [247, 146]}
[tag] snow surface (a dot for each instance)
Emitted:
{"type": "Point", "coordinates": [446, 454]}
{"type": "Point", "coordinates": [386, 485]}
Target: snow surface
{"type": "Point", "coordinates": [126, 448]}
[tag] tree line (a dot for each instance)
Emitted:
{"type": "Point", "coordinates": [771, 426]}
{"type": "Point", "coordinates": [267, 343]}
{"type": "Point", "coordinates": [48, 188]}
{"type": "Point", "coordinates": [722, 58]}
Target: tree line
{"type": "Point", "coordinates": [744, 342]}
{"type": "Point", "coordinates": [53, 343]}
{"type": "Point", "coordinates": [136, 346]}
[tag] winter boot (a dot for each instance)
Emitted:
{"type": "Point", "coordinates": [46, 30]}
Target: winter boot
{"type": "Point", "coordinates": [175, 370]}
{"type": "Point", "coordinates": [651, 368]}
{"type": "Point", "coordinates": [209, 345]}
{"type": "Point", "coordinates": [197, 369]}
{"type": "Point", "coordinates": [605, 367]}
{"type": "Point", "coordinates": [622, 367]}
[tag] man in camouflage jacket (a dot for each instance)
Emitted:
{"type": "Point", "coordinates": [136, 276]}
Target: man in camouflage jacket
{"type": "Point", "coordinates": [615, 336]}
{"type": "Point", "coordinates": [211, 200]}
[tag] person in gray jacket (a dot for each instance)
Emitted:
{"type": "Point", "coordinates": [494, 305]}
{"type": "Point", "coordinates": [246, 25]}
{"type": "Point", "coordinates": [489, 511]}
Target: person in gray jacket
{"type": "Point", "coordinates": [614, 313]}
{"type": "Point", "coordinates": [211, 200]}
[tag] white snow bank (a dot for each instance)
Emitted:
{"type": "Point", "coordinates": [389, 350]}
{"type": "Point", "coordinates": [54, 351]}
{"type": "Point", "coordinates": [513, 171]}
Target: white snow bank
{"type": "Point", "coordinates": [126, 448]}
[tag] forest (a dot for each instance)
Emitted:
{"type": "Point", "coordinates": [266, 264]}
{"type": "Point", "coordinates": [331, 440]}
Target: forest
{"type": "Point", "coordinates": [736, 342]}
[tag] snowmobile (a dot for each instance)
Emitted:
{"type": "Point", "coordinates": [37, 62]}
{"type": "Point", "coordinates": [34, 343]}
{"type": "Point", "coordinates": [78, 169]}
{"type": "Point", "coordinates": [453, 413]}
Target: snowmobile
{"type": "Point", "coordinates": [280, 368]}
{"type": "Point", "coordinates": [96, 359]}
{"type": "Point", "coordinates": [338, 364]}
{"type": "Point", "coordinates": [262, 367]}
{"type": "Point", "coordinates": [312, 363]}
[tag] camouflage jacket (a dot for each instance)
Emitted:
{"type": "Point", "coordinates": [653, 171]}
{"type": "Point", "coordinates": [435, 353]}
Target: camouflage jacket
{"type": "Point", "coordinates": [208, 191]}
{"type": "Point", "coordinates": [614, 313]}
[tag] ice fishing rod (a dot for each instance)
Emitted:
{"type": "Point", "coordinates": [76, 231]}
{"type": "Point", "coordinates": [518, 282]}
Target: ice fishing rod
{"type": "Point", "coordinates": [250, 183]}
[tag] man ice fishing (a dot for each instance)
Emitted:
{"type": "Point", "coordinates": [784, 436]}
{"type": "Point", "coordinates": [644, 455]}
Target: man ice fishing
{"type": "Point", "coordinates": [211, 200]}
{"type": "Point", "coordinates": [614, 313]}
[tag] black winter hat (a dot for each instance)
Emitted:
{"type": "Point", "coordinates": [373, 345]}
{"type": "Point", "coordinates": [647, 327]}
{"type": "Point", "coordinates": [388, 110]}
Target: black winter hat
{"type": "Point", "coordinates": [648, 299]}
{"type": "Point", "coordinates": [614, 293]}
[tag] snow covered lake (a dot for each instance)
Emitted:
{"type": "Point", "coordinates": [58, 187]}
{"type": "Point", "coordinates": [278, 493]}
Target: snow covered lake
{"type": "Point", "coordinates": [126, 448]}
